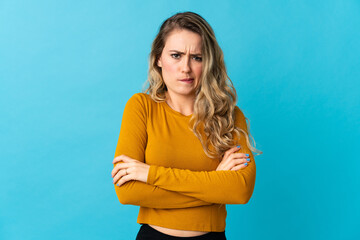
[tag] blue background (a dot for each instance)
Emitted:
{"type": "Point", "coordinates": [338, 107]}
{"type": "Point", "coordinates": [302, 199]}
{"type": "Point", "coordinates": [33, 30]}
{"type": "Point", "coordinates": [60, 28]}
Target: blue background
{"type": "Point", "coordinates": [67, 69]}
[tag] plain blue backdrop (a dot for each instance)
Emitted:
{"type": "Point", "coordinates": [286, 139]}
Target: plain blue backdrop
{"type": "Point", "coordinates": [67, 69]}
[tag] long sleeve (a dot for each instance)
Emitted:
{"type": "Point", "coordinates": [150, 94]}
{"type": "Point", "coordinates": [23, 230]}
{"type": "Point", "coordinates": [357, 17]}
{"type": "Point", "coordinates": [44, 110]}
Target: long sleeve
{"type": "Point", "coordinates": [223, 187]}
{"type": "Point", "coordinates": [132, 142]}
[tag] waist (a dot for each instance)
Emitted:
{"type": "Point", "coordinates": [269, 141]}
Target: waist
{"type": "Point", "coordinates": [178, 233]}
{"type": "Point", "coordinates": [201, 219]}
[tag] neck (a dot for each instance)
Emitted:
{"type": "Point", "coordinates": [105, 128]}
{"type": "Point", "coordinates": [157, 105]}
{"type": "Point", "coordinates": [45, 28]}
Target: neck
{"type": "Point", "coordinates": [180, 103]}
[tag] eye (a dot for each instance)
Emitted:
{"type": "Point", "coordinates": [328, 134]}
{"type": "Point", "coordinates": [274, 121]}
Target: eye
{"type": "Point", "coordinates": [175, 55]}
{"type": "Point", "coordinates": [197, 58]}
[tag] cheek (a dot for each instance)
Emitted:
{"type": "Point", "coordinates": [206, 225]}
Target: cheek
{"type": "Point", "coordinates": [198, 70]}
{"type": "Point", "coordinates": [169, 67]}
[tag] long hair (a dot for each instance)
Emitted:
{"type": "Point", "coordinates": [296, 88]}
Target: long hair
{"type": "Point", "coordinates": [213, 119]}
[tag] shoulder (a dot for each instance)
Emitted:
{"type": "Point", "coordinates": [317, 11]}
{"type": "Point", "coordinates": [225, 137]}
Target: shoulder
{"type": "Point", "coordinates": [238, 112]}
{"type": "Point", "coordinates": [137, 108]}
{"type": "Point", "coordinates": [240, 119]}
{"type": "Point", "coordinates": [141, 103]}
{"type": "Point", "coordinates": [139, 97]}
{"type": "Point", "coordinates": [139, 100]}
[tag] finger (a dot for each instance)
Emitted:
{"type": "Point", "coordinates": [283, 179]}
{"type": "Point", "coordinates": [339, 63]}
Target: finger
{"type": "Point", "coordinates": [124, 165]}
{"type": "Point", "coordinates": [228, 163]}
{"type": "Point", "coordinates": [230, 151]}
{"type": "Point", "coordinates": [124, 179]}
{"type": "Point", "coordinates": [119, 175]}
{"type": "Point", "coordinates": [236, 162]}
{"type": "Point", "coordinates": [238, 167]}
{"type": "Point", "coordinates": [240, 155]}
{"type": "Point", "coordinates": [115, 170]}
{"type": "Point", "coordinates": [119, 167]}
{"type": "Point", "coordinates": [128, 159]}
{"type": "Point", "coordinates": [118, 159]}
{"type": "Point", "coordinates": [121, 158]}
{"type": "Point", "coordinates": [233, 149]}
{"type": "Point", "coordinates": [236, 156]}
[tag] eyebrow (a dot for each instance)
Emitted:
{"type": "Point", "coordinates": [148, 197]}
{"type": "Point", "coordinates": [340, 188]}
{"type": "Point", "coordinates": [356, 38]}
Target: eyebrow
{"type": "Point", "coordinates": [183, 52]}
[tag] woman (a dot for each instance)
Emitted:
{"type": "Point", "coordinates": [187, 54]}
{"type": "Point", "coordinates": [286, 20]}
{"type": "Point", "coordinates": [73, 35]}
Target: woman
{"type": "Point", "coordinates": [183, 150]}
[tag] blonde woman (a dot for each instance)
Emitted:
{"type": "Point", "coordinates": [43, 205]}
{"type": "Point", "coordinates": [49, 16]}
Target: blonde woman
{"type": "Point", "coordinates": [184, 150]}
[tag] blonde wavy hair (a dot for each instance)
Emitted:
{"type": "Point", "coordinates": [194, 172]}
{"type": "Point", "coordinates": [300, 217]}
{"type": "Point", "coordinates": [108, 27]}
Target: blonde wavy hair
{"type": "Point", "coordinates": [213, 119]}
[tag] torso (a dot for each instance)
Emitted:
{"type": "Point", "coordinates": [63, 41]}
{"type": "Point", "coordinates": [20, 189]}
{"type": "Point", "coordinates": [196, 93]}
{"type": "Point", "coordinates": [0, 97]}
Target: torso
{"type": "Point", "coordinates": [163, 124]}
{"type": "Point", "coordinates": [178, 233]}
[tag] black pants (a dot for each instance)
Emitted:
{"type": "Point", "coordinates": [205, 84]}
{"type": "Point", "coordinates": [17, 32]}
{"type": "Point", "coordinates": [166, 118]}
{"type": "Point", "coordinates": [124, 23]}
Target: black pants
{"type": "Point", "coordinates": [148, 233]}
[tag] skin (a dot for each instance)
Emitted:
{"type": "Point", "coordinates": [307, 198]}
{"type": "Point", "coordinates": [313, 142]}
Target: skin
{"type": "Point", "coordinates": [180, 58]}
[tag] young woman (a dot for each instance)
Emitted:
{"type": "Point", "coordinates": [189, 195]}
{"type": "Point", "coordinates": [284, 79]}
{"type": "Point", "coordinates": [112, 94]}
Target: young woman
{"type": "Point", "coordinates": [184, 150]}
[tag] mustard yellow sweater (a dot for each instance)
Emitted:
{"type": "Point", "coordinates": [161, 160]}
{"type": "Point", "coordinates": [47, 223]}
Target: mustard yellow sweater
{"type": "Point", "coordinates": [183, 190]}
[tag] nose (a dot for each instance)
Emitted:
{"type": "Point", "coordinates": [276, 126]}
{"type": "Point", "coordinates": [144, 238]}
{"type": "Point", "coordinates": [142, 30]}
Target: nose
{"type": "Point", "coordinates": [185, 67]}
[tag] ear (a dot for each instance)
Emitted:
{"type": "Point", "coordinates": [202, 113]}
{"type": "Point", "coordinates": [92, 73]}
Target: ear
{"type": "Point", "coordinates": [159, 62]}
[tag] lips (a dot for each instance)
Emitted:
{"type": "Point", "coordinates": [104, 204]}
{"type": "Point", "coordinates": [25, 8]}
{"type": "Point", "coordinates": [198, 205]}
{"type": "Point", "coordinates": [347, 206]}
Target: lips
{"type": "Point", "coordinates": [187, 80]}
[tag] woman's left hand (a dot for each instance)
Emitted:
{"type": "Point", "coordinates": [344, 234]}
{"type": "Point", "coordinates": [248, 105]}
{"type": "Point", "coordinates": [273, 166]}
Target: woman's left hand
{"type": "Point", "coordinates": [129, 169]}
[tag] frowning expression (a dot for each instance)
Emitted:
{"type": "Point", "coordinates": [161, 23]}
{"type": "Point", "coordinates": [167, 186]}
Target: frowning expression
{"type": "Point", "coordinates": [181, 62]}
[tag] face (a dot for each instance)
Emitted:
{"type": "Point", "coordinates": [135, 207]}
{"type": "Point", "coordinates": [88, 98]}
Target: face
{"type": "Point", "coordinates": [181, 62]}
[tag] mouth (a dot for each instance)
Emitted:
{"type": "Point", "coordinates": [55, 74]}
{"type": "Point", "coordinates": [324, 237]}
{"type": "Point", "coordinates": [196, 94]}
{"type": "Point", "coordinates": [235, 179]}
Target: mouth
{"type": "Point", "coordinates": [187, 80]}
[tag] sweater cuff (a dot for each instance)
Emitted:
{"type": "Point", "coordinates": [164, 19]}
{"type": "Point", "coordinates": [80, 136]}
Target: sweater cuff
{"type": "Point", "coordinates": [151, 175]}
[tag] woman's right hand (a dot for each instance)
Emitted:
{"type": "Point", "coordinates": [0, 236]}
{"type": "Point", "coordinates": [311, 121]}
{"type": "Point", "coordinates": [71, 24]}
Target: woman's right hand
{"type": "Point", "coordinates": [233, 161]}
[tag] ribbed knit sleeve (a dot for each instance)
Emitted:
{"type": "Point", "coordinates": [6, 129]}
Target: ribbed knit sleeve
{"type": "Point", "coordinates": [223, 187]}
{"type": "Point", "coordinates": [132, 143]}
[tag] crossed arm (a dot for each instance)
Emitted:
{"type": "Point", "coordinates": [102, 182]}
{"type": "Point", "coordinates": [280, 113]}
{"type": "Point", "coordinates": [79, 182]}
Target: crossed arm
{"type": "Point", "coordinates": [165, 187]}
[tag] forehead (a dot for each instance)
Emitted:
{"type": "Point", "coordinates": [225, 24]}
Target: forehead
{"type": "Point", "coordinates": [183, 40]}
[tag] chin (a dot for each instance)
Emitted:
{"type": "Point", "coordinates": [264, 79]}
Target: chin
{"type": "Point", "coordinates": [183, 93]}
{"type": "Point", "coordinates": [188, 94]}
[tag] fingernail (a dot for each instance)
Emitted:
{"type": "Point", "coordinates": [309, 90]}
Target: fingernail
{"type": "Point", "coordinates": [238, 146]}
{"type": "Point", "coordinates": [247, 155]}
{"type": "Point", "coordinates": [248, 159]}
{"type": "Point", "coordinates": [246, 164]}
